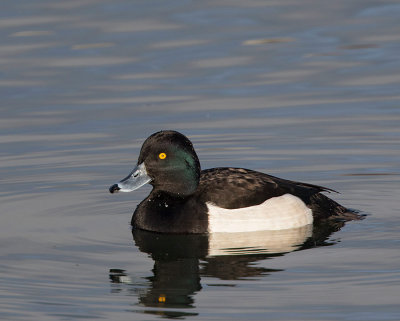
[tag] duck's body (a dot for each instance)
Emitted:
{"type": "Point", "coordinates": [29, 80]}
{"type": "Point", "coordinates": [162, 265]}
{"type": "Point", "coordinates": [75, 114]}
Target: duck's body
{"type": "Point", "coordinates": [187, 200]}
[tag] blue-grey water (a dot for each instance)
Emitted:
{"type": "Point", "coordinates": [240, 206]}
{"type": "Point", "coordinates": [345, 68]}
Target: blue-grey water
{"type": "Point", "coordinates": [305, 90]}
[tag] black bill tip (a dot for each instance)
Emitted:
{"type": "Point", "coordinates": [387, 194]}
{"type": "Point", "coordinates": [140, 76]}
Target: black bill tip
{"type": "Point", "coordinates": [114, 188]}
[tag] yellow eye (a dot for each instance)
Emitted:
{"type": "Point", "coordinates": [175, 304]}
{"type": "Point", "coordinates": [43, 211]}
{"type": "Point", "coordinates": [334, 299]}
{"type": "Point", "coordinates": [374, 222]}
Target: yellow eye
{"type": "Point", "coordinates": [162, 155]}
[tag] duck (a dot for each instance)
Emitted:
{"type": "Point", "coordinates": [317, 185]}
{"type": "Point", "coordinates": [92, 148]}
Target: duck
{"type": "Point", "coordinates": [187, 200]}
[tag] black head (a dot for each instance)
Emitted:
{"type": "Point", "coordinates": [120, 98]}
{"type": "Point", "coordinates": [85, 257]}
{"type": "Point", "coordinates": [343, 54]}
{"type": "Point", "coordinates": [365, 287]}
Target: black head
{"type": "Point", "coordinates": [171, 163]}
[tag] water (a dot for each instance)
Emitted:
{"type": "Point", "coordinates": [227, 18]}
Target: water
{"type": "Point", "coordinates": [303, 90]}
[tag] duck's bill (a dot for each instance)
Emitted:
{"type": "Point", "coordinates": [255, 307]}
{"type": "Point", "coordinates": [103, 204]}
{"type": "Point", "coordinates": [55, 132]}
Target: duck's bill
{"type": "Point", "coordinates": [137, 178]}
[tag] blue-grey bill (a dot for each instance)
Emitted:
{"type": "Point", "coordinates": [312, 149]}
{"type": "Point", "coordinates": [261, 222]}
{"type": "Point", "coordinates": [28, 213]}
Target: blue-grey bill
{"type": "Point", "coordinates": [137, 178]}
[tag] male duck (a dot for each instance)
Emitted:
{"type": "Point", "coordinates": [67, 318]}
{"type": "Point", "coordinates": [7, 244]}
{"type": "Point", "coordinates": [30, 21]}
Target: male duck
{"type": "Point", "coordinates": [185, 199]}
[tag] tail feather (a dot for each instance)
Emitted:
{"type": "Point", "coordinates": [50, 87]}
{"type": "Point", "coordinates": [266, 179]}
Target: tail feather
{"type": "Point", "coordinates": [323, 208]}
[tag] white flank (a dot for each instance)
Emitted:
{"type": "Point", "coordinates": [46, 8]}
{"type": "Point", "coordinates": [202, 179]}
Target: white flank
{"type": "Point", "coordinates": [277, 213]}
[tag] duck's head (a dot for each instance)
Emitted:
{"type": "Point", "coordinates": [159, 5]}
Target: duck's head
{"type": "Point", "coordinates": [167, 161]}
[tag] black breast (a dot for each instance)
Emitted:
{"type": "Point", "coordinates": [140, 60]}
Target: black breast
{"type": "Point", "coordinates": [162, 212]}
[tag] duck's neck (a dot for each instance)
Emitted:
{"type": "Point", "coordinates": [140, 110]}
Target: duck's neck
{"type": "Point", "coordinates": [165, 198]}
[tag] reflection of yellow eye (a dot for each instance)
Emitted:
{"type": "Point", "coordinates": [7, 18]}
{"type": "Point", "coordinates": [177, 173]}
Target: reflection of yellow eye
{"type": "Point", "coordinates": [162, 155]}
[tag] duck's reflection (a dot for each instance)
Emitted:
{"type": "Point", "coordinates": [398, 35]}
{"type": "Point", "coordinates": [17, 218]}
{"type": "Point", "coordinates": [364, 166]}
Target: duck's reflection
{"type": "Point", "coordinates": [181, 260]}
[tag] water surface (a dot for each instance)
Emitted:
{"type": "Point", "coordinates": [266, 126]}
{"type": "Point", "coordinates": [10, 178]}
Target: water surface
{"type": "Point", "coordinates": [302, 90]}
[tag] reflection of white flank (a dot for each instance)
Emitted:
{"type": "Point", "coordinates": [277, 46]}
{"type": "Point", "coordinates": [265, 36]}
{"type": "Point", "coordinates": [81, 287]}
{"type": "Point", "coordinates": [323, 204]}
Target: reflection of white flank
{"type": "Point", "coordinates": [260, 242]}
{"type": "Point", "coordinates": [277, 213]}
